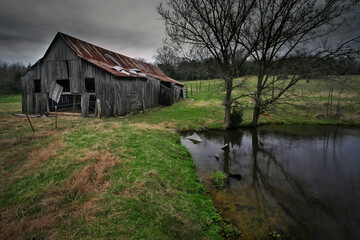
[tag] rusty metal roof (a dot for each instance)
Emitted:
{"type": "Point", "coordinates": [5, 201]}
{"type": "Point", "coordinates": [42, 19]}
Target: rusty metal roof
{"type": "Point", "coordinates": [115, 63]}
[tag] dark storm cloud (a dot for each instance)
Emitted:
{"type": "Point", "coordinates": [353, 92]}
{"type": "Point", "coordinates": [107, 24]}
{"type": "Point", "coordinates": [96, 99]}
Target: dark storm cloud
{"type": "Point", "coordinates": [130, 27]}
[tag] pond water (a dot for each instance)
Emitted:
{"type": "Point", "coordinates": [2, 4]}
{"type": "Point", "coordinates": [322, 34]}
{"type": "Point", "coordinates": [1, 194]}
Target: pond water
{"type": "Point", "coordinates": [299, 181]}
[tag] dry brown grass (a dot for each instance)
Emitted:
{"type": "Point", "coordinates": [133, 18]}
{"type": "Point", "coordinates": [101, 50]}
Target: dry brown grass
{"type": "Point", "coordinates": [85, 183]}
{"type": "Point", "coordinates": [88, 155]}
{"type": "Point", "coordinates": [161, 126]}
{"type": "Point", "coordinates": [13, 121]}
{"type": "Point", "coordinates": [39, 156]}
{"type": "Point", "coordinates": [200, 103]}
{"type": "Point", "coordinates": [47, 133]}
{"type": "Point", "coordinates": [354, 118]}
{"type": "Point", "coordinates": [17, 229]}
{"type": "Point", "coordinates": [91, 178]}
{"type": "Point", "coordinates": [267, 116]}
{"type": "Point", "coordinates": [88, 210]}
{"type": "Point", "coordinates": [7, 143]}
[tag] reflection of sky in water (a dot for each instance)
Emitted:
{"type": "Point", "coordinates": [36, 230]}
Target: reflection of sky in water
{"type": "Point", "coordinates": [312, 174]}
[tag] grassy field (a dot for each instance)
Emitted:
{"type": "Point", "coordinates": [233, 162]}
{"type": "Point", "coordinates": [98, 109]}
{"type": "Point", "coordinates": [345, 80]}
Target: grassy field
{"type": "Point", "coordinates": [103, 179]}
{"type": "Point", "coordinates": [124, 178]}
{"type": "Point", "coordinates": [306, 106]}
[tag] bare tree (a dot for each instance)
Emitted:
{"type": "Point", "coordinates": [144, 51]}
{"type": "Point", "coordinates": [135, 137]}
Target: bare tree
{"type": "Point", "coordinates": [276, 29]}
{"type": "Point", "coordinates": [165, 55]}
{"type": "Point", "coordinates": [166, 59]}
{"type": "Point", "coordinates": [215, 26]}
{"type": "Point", "coordinates": [269, 31]}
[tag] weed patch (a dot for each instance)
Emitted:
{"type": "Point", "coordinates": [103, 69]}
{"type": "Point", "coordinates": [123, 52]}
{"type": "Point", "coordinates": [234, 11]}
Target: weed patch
{"type": "Point", "coordinates": [219, 178]}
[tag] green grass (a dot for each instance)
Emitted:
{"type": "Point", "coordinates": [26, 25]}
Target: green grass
{"type": "Point", "coordinates": [126, 178]}
{"type": "Point", "coordinates": [219, 178]}
{"type": "Point", "coordinates": [308, 107]}
{"type": "Point", "coordinates": [102, 179]}
{"type": "Point", "coordinates": [10, 98]}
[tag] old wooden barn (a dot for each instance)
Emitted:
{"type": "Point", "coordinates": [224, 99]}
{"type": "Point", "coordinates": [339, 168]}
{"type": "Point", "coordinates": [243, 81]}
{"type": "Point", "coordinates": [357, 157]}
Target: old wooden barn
{"type": "Point", "coordinates": [90, 74]}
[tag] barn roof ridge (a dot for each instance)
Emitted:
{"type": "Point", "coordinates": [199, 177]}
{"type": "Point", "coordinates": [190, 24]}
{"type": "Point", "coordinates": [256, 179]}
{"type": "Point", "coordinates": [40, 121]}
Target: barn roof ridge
{"type": "Point", "coordinates": [115, 63]}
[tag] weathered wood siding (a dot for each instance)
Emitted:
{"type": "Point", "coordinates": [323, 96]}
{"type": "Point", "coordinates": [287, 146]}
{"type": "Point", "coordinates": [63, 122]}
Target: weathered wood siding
{"type": "Point", "coordinates": [118, 96]}
{"type": "Point", "coordinates": [167, 95]}
{"type": "Point", "coordinates": [60, 62]}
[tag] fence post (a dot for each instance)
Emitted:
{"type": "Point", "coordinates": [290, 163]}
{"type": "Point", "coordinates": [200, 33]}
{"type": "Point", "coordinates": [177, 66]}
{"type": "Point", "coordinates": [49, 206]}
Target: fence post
{"type": "Point", "coordinates": [98, 103]}
{"type": "Point", "coordinates": [56, 116]}
{"type": "Point", "coordinates": [30, 122]}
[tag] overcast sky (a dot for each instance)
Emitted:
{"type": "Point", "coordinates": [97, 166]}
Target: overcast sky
{"type": "Point", "coordinates": [129, 27]}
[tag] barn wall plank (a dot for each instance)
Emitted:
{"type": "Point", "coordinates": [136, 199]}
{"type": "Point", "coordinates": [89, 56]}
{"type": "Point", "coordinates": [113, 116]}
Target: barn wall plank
{"type": "Point", "coordinates": [85, 104]}
{"type": "Point", "coordinates": [75, 77]}
{"type": "Point", "coordinates": [60, 51]}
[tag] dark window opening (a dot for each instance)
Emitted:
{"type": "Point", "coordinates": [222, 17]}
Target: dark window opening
{"type": "Point", "coordinates": [166, 84]}
{"type": "Point", "coordinates": [90, 85]}
{"type": "Point", "coordinates": [37, 86]}
{"type": "Point", "coordinates": [65, 83]}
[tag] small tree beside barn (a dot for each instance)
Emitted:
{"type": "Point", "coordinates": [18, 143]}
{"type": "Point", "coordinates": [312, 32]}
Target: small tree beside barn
{"type": "Point", "coordinates": [87, 74]}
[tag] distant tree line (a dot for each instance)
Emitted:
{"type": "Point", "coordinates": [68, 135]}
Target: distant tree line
{"type": "Point", "coordinates": [10, 75]}
{"type": "Point", "coordinates": [190, 69]}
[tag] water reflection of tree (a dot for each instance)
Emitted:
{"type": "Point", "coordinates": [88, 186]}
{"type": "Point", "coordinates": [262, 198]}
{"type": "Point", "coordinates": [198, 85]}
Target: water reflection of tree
{"type": "Point", "coordinates": [230, 157]}
{"type": "Point", "coordinates": [262, 188]}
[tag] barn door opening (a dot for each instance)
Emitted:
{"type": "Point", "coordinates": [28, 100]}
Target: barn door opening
{"type": "Point", "coordinates": [90, 88]}
{"type": "Point", "coordinates": [68, 102]}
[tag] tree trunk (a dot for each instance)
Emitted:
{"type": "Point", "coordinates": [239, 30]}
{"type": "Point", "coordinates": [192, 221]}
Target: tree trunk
{"type": "Point", "coordinates": [256, 114]}
{"type": "Point", "coordinates": [228, 85]}
{"type": "Point", "coordinates": [331, 101]}
{"type": "Point", "coordinates": [338, 103]}
{"type": "Point", "coordinates": [257, 107]}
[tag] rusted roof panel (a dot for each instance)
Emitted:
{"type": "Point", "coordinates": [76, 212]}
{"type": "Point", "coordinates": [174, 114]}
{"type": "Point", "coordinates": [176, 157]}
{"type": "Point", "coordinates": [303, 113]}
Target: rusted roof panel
{"type": "Point", "coordinates": [107, 60]}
